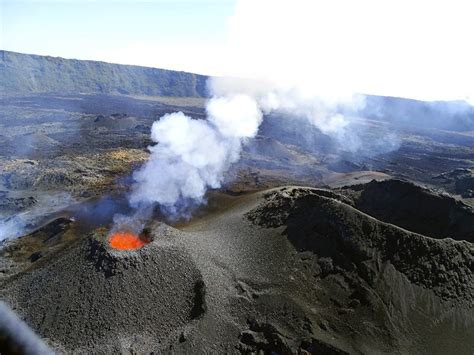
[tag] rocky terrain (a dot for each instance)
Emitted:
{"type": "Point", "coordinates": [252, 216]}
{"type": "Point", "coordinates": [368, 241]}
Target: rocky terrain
{"type": "Point", "coordinates": [309, 247]}
{"type": "Point", "coordinates": [362, 264]}
{"type": "Point", "coordinates": [284, 270]}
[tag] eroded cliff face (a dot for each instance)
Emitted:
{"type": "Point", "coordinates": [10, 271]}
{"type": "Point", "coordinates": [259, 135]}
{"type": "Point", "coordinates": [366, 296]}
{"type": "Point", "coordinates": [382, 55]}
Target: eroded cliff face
{"type": "Point", "coordinates": [27, 73]}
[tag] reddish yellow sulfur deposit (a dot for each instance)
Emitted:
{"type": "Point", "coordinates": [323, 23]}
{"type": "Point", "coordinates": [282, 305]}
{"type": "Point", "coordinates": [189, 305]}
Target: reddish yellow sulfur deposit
{"type": "Point", "coordinates": [126, 241]}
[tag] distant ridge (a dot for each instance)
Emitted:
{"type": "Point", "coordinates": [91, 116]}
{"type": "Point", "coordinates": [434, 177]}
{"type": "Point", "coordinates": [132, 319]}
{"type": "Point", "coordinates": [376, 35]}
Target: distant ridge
{"type": "Point", "coordinates": [24, 74]}
{"type": "Point", "coordinates": [29, 73]}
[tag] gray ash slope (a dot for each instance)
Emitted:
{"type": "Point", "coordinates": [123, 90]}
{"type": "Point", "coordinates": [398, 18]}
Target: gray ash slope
{"type": "Point", "coordinates": [92, 298]}
{"type": "Point", "coordinates": [280, 270]}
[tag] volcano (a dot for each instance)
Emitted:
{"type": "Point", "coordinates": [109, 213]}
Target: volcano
{"type": "Point", "coordinates": [356, 267]}
{"type": "Point", "coordinates": [145, 297]}
{"type": "Point", "coordinates": [281, 270]}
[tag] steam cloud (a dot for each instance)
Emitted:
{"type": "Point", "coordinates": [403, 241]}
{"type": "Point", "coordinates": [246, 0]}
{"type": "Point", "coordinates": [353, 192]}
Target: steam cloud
{"type": "Point", "coordinates": [304, 59]}
{"type": "Point", "coordinates": [193, 155]}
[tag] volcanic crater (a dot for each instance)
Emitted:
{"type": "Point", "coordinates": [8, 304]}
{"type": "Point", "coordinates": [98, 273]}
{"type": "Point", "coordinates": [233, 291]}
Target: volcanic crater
{"type": "Point", "coordinates": [128, 240]}
{"type": "Point", "coordinates": [106, 299]}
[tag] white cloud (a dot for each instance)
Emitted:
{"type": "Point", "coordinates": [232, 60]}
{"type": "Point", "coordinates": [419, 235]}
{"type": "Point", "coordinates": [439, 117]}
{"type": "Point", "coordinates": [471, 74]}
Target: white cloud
{"type": "Point", "coordinates": [419, 49]}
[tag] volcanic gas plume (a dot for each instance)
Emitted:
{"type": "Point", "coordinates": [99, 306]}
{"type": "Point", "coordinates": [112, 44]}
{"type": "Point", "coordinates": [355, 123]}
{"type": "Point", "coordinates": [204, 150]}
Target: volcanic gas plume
{"type": "Point", "coordinates": [193, 155]}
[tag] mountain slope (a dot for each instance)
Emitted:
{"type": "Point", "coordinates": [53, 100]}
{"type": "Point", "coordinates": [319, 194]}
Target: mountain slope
{"type": "Point", "coordinates": [26, 73]}
{"type": "Point", "coordinates": [291, 270]}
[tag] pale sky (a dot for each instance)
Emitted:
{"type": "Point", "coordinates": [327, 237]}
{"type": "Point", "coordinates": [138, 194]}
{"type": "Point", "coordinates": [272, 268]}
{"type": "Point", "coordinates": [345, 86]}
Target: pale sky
{"type": "Point", "coordinates": [418, 48]}
{"type": "Point", "coordinates": [171, 34]}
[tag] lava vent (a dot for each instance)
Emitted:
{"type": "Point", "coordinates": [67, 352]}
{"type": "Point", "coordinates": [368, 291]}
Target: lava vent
{"type": "Point", "coordinates": [124, 240]}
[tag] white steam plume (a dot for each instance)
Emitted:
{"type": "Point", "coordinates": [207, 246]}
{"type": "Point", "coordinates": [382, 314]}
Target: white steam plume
{"type": "Point", "coordinates": [192, 155]}
{"type": "Point", "coordinates": [298, 99]}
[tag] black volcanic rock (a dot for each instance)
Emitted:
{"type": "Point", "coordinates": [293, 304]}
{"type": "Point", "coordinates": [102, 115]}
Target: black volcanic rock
{"type": "Point", "coordinates": [464, 183]}
{"type": "Point", "coordinates": [16, 204]}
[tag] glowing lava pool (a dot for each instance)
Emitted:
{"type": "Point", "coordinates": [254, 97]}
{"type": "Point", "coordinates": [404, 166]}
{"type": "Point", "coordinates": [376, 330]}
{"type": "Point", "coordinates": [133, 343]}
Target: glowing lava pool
{"type": "Point", "coordinates": [126, 241]}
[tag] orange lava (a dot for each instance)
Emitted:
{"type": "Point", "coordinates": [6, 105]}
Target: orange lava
{"type": "Point", "coordinates": [126, 241]}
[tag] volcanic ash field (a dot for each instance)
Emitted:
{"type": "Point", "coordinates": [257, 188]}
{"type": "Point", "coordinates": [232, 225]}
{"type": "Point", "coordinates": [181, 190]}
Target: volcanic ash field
{"type": "Point", "coordinates": [282, 270]}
